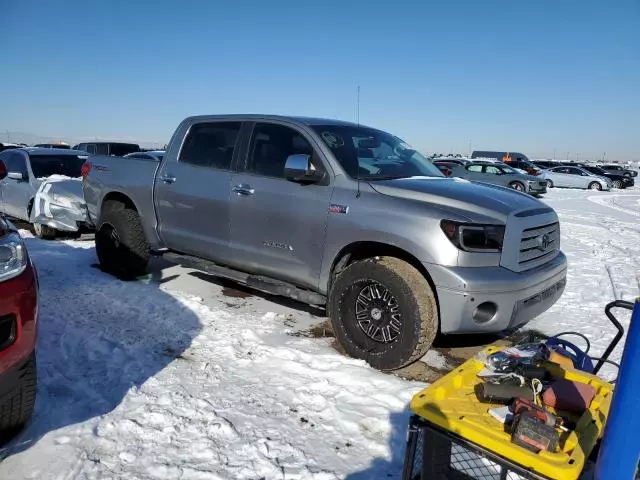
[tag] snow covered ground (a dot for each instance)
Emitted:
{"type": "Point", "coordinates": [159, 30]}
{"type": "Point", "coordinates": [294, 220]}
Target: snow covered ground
{"type": "Point", "coordinates": [172, 379]}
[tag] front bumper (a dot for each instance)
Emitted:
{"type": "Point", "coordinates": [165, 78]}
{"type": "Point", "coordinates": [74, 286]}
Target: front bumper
{"type": "Point", "coordinates": [517, 297]}
{"type": "Point", "coordinates": [537, 188]}
{"type": "Point", "coordinates": [18, 319]}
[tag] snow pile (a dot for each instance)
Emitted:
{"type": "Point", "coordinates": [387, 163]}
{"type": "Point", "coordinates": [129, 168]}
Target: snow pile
{"type": "Point", "coordinates": [140, 381]}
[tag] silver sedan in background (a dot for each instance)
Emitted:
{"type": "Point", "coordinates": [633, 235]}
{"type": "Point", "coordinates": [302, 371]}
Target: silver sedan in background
{"type": "Point", "coordinates": [498, 173]}
{"type": "Point", "coordinates": [576, 177]}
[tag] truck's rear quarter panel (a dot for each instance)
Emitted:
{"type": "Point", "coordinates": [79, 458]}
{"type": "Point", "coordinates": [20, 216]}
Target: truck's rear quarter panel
{"type": "Point", "coordinates": [133, 178]}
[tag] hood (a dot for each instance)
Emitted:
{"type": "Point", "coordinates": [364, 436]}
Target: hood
{"type": "Point", "coordinates": [484, 199]}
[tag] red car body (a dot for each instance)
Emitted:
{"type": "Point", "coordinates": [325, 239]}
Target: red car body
{"type": "Point", "coordinates": [18, 334]}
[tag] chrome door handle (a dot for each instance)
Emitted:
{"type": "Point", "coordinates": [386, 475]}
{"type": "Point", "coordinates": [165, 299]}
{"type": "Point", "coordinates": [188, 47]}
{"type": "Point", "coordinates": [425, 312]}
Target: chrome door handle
{"type": "Point", "coordinates": [243, 189]}
{"type": "Point", "coordinates": [168, 178]}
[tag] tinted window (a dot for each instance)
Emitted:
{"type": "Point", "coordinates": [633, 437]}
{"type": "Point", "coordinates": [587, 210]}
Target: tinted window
{"type": "Point", "coordinates": [574, 171]}
{"type": "Point", "coordinates": [270, 147]}
{"type": "Point", "coordinates": [90, 148]}
{"type": "Point", "coordinates": [15, 163]}
{"type": "Point", "coordinates": [475, 168]}
{"type": "Point", "coordinates": [102, 149]}
{"type": "Point", "coordinates": [596, 170]}
{"type": "Point", "coordinates": [47, 165]}
{"type": "Point", "coordinates": [374, 155]}
{"type": "Point", "coordinates": [121, 149]}
{"type": "Point", "coordinates": [210, 144]}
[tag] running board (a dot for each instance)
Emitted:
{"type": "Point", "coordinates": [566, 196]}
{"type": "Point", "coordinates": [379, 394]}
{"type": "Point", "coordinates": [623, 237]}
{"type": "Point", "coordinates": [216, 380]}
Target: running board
{"type": "Point", "coordinates": [265, 284]}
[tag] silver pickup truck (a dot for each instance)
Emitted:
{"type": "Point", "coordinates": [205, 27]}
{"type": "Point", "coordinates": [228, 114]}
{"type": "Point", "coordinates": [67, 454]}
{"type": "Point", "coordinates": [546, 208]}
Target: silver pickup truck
{"type": "Point", "coordinates": [337, 214]}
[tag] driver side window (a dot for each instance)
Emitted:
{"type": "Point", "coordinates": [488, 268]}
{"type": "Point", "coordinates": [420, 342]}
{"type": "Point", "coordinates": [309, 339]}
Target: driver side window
{"type": "Point", "coordinates": [493, 170]}
{"type": "Point", "coordinates": [271, 145]}
{"type": "Point", "coordinates": [15, 163]}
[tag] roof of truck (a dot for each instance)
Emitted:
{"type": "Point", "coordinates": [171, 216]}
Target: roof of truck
{"type": "Point", "coordinates": [291, 118]}
{"type": "Point", "coordinates": [53, 151]}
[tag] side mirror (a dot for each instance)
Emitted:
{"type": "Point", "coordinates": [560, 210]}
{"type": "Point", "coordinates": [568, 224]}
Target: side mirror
{"type": "Point", "coordinates": [17, 176]}
{"type": "Point", "coordinates": [3, 170]}
{"type": "Point", "coordinates": [298, 168]}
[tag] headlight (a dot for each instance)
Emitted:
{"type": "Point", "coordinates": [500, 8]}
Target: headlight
{"type": "Point", "coordinates": [13, 256]}
{"type": "Point", "coordinates": [473, 237]}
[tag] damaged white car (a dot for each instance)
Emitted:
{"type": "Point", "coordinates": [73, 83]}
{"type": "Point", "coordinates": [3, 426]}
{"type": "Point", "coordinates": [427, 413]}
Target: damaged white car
{"type": "Point", "coordinates": [43, 186]}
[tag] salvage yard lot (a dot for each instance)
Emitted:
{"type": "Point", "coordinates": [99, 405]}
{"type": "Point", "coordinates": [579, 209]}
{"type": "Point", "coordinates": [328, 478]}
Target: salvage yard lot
{"type": "Point", "coordinates": [179, 376]}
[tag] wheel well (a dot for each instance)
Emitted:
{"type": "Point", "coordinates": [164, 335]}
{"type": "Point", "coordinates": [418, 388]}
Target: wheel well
{"type": "Point", "coordinates": [117, 201]}
{"type": "Point", "coordinates": [362, 250]}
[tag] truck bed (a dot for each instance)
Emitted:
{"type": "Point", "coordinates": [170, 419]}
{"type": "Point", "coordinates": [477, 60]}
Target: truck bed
{"type": "Point", "coordinates": [133, 177]}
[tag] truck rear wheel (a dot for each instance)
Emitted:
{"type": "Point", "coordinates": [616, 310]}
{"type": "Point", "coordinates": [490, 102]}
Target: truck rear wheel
{"type": "Point", "coordinates": [384, 312]}
{"type": "Point", "coordinates": [17, 406]}
{"type": "Point", "coordinates": [121, 245]}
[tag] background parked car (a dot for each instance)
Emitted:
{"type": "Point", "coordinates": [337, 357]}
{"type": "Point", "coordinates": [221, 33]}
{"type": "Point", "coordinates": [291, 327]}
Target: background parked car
{"type": "Point", "coordinates": [18, 329]}
{"type": "Point", "coordinates": [8, 146]}
{"type": "Point", "coordinates": [27, 168]}
{"type": "Point", "coordinates": [618, 180]}
{"type": "Point", "coordinates": [501, 174]}
{"type": "Point", "coordinates": [545, 164]}
{"type": "Point", "coordinates": [156, 155]}
{"type": "Point", "coordinates": [576, 177]}
{"type": "Point", "coordinates": [118, 149]}
{"type": "Point", "coordinates": [513, 159]}
{"type": "Point", "coordinates": [619, 169]}
{"type": "Point", "coordinates": [52, 145]}
{"type": "Point", "coordinates": [446, 167]}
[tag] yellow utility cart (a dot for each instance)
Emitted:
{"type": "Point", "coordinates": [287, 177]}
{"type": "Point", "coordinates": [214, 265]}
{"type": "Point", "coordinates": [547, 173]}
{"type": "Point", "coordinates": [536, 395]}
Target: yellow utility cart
{"type": "Point", "coordinates": [452, 435]}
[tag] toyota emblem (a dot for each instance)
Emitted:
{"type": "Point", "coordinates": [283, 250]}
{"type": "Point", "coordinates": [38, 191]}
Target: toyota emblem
{"type": "Point", "coordinates": [543, 241]}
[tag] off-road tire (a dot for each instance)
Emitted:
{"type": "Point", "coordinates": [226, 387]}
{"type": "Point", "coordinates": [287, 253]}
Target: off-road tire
{"type": "Point", "coordinates": [617, 184]}
{"type": "Point", "coordinates": [549, 184]}
{"type": "Point", "coordinates": [44, 231]}
{"type": "Point", "coordinates": [17, 407]}
{"type": "Point", "coordinates": [595, 186]}
{"type": "Point", "coordinates": [414, 297]}
{"type": "Point", "coordinates": [125, 256]}
{"type": "Point", "coordinates": [518, 186]}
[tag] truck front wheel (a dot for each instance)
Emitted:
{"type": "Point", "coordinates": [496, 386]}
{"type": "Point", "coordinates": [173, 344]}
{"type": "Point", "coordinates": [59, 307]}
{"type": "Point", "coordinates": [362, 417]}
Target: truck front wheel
{"type": "Point", "coordinates": [121, 246]}
{"type": "Point", "coordinates": [384, 312]}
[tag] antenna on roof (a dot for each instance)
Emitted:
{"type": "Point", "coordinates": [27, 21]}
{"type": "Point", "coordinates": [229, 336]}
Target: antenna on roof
{"type": "Point", "coordinates": [358, 107]}
{"type": "Point", "coordinates": [357, 160]}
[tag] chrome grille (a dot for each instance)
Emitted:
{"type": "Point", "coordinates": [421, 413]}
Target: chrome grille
{"type": "Point", "coordinates": [538, 245]}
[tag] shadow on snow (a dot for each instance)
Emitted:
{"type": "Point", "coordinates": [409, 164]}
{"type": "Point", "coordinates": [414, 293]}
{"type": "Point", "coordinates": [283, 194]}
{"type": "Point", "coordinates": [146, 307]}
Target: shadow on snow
{"type": "Point", "coordinates": [98, 338]}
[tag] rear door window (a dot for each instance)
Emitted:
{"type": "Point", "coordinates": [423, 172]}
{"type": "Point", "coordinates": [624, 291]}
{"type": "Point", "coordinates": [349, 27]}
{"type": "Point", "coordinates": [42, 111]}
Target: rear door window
{"type": "Point", "coordinates": [211, 144]}
{"type": "Point", "coordinates": [475, 168]}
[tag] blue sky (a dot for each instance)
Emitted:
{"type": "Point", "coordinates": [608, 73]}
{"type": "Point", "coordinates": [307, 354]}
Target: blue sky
{"type": "Point", "coordinates": [528, 76]}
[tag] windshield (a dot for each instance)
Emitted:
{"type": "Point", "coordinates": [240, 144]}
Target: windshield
{"type": "Point", "coordinates": [596, 170]}
{"type": "Point", "coordinates": [47, 165]}
{"type": "Point", "coordinates": [507, 170]}
{"type": "Point", "coordinates": [374, 155]}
